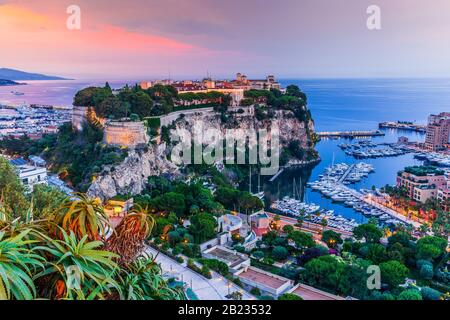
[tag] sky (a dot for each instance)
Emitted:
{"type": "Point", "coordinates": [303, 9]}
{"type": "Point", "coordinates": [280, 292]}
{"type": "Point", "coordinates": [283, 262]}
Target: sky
{"type": "Point", "coordinates": [147, 39]}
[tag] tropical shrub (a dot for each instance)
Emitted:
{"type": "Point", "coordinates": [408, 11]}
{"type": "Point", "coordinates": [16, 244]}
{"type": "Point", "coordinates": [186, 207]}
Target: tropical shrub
{"type": "Point", "coordinates": [128, 237]}
{"type": "Point", "coordinates": [83, 217]}
{"type": "Point", "coordinates": [410, 294]}
{"type": "Point", "coordinates": [17, 265]}
{"type": "Point", "coordinates": [77, 269]}
{"type": "Point", "coordinates": [430, 294]}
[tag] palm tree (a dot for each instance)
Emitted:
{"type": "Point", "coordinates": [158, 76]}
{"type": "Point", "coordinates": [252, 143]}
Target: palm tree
{"type": "Point", "coordinates": [83, 217]}
{"type": "Point", "coordinates": [17, 264]}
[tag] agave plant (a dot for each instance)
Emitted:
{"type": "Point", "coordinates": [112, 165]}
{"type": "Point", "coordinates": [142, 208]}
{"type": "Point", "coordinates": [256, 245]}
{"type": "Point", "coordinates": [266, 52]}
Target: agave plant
{"type": "Point", "coordinates": [77, 269]}
{"type": "Point", "coordinates": [142, 280]}
{"type": "Point", "coordinates": [128, 237]}
{"type": "Point", "coordinates": [17, 264]}
{"type": "Point", "coordinates": [83, 217]}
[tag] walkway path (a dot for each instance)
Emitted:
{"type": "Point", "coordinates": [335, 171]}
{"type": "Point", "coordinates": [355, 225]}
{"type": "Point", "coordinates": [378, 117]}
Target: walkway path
{"type": "Point", "coordinates": [344, 176]}
{"type": "Point", "coordinates": [205, 289]}
{"type": "Point", "coordinates": [385, 209]}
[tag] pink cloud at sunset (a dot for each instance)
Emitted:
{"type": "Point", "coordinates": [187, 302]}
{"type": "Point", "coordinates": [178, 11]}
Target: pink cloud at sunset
{"type": "Point", "coordinates": [291, 38]}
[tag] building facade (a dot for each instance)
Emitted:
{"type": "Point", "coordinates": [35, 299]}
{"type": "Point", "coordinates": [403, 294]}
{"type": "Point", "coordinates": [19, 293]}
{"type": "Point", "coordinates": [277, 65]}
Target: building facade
{"type": "Point", "coordinates": [30, 175]}
{"type": "Point", "coordinates": [125, 133]}
{"type": "Point", "coordinates": [438, 130]}
{"type": "Point", "coordinates": [421, 183]}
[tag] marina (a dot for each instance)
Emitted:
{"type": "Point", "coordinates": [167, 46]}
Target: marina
{"type": "Point", "coordinates": [332, 185]}
{"type": "Point", "coordinates": [434, 158]}
{"type": "Point", "coordinates": [350, 134]}
{"type": "Point", "coordinates": [365, 149]}
{"type": "Point", "coordinates": [313, 213]}
{"type": "Point", "coordinates": [403, 125]}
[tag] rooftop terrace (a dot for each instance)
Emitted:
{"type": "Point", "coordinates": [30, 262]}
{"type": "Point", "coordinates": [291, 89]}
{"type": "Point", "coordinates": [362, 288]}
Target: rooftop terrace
{"type": "Point", "coordinates": [422, 171]}
{"type": "Point", "coordinates": [226, 256]}
{"type": "Point", "coordinates": [263, 278]}
{"type": "Point", "coordinates": [310, 293]}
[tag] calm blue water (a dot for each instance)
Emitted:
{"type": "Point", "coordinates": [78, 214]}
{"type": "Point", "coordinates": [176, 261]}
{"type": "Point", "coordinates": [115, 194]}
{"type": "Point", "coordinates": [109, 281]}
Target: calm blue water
{"type": "Point", "coordinates": [360, 105]}
{"type": "Point", "coordinates": [363, 103]}
{"type": "Point", "coordinates": [350, 104]}
{"type": "Point", "coordinates": [386, 170]}
{"type": "Point", "coordinates": [58, 93]}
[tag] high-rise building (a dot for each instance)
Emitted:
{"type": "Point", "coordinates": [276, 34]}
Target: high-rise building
{"type": "Point", "coordinates": [438, 131]}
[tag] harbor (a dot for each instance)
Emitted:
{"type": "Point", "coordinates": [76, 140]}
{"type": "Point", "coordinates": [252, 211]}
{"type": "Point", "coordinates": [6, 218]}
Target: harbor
{"type": "Point", "coordinates": [350, 134]}
{"type": "Point", "coordinates": [403, 125]}
{"type": "Point", "coordinates": [352, 189]}
{"type": "Point", "coordinates": [367, 149]}
{"type": "Point", "coordinates": [332, 184]}
{"type": "Point", "coordinates": [312, 213]}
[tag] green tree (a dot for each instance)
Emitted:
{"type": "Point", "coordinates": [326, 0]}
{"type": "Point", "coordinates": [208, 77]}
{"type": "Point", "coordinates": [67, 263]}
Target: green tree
{"type": "Point", "coordinates": [410, 294]}
{"type": "Point", "coordinates": [203, 227]}
{"type": "Point", "coordinates": [172, 202]}
{"type": "Point", "coordinates": [288, 229]}
{"type": "Point", "coordinates": [393, 273]}
{"type": "Point", "coordinates": [280, 253]}
{"type": "Point", "coordinates": [430, 248]}
{"type": "Point", "coordinates": [12, 189]}
{"type": "Point", "coordinates": [289, 296]}
{"type": "Point", "coordinates": [331, 238]}
{"type": "Point", "coordinates": [430, 294]}
{"type": "Point", "coordinates": [324, 272]}
{"type": "Point", "coordinates": [302, 239]}
{"type": "Point", "coordinates": [426, 272]}
{"type": "Point", "coordinates": [370, 232]}
{"type": "Point", "coordinates": [376, 253]}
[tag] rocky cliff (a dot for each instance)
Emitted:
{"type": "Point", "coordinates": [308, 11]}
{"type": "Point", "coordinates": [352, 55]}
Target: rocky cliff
{"type": "Point", "coordinates": [130, 177]}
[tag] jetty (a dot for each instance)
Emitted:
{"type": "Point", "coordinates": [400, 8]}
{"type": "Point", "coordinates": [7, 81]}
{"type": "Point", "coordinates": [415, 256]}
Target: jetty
{"type": "Point", "coordinates": [277, 175]}
{"type": "Point", "coordinates": [399, 125]}
{"type": "Point", "coordinates": [344, 176]}
{"type": "Point", "coordinates": [351, 134]}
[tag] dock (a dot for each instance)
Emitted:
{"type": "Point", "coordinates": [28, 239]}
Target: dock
{"type": "Point", "coordinates": [344, 176]}
{"type": "Point", "coordinates": [407, 126]}
{"type": "Point", "coordinates": [276, 176]}
{"type": "Point", "coordinates": [351, 134]}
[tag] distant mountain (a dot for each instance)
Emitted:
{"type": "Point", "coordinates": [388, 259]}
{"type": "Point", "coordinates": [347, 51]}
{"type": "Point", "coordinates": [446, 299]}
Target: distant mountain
{"type": "Point", "coordinates": [12, 74]}
{"type": "Point", "coordinates": [4, 82]}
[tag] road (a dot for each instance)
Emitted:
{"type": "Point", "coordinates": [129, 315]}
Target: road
{"type": "Point", "coordinates": [205, 289]}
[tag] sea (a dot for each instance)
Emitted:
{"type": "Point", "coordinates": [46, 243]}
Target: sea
{"type": "Point", "coordinates": [336, 105]}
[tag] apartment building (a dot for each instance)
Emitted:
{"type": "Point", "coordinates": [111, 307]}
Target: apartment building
{"type": "Point", "coordinates": [422, 182]}
{"type": "Point", "coordinates": [438, 130]}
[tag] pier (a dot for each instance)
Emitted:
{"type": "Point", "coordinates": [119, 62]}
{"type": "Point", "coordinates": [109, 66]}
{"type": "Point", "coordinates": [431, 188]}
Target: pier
{"type": "Point", "coordinates": [408, 126]}
{"type": "Point", "coordinates": [351, 134]}
{"type": "Point", "coordinates": [276, 176]}
{"type": "Point", "coordinates": [344, 176]}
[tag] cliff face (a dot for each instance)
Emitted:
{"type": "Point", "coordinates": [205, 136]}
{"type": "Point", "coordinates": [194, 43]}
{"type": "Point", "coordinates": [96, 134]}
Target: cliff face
{"type": "Point", "coordinates": [290, 128]}
{"type": "Point", "coordinates": [130, 177]}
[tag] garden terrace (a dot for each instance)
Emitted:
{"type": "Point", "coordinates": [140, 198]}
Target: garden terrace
{"type": "Point", "coordinates": [422, 171]}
